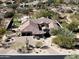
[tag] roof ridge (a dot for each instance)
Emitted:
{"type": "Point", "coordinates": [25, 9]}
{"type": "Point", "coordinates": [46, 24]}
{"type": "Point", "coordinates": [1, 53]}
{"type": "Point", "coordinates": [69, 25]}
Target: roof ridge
{"type": "Point", "coordinates": [29, 22]}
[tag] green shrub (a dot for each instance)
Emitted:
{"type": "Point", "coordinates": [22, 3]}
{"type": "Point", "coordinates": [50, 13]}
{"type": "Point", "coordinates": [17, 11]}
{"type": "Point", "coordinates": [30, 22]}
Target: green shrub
{"type": "Point", "coordinates": [16, 22]}
{"type": "Point", "coordinates": [45, 13]}
{"type": "Point", "coordinates": [58, 31]}
{"type": "Point", "coordinates": [54, 32]}
{"type": "Point", "coordinates": [64, 41]}
{"type": "Point", "coordinates": [39, 44]}
{"type": "Point", "coordinates": [75, 17]}
{"type": "Point", "coordinates": [73, 26]}
{"type": "Point", "coordinates": [72, 57]}
{"type": "Point", "coordinates": [64, 23]}
{"type": "Point", "coordinates": [65, 38]}
{"type": "Point", "coordinates": [9, 14]}
{"type": "Point", "coordinates": [2, 31]}
{"type": "Point", "coordinates": [22, 10]}
{"type": "Point", "coordinates": [14, 6]}
{"type": "Point", "coordinates": [55, 2]}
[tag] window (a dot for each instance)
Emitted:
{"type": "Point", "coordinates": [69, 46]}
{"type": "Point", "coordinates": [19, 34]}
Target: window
{"type": "Point", "coordinates": [27, 34]}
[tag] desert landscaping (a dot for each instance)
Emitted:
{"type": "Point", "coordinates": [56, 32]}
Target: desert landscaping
{"type": "Point", "coordinates": [39, 27]}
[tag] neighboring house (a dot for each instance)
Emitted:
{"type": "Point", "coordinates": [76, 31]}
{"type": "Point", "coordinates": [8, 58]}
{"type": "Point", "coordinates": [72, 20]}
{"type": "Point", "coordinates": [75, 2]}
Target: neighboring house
{"type": "Point", "coordinates": [38, 27]}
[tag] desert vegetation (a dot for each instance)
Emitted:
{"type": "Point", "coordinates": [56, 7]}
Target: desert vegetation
{"type": "Point", "coordinates": [65, 38]}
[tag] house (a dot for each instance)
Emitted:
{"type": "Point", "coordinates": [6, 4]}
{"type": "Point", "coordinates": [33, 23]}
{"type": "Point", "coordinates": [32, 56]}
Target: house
{"type": "Point", "coordinates": [46, 22]}
{"type": "Point", "coordinates": [38, 27]}
{"type": "Point", "coordinates": [29, 28]}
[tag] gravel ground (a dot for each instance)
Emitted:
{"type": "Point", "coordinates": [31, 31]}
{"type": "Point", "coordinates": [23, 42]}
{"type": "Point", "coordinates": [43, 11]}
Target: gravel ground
{"type": "Point", "coordinates": [52, 50]}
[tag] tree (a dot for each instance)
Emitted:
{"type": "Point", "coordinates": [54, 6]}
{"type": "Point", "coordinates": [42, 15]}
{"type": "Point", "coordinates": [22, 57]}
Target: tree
{"type": "Point", "coordinates": [65, 38]}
